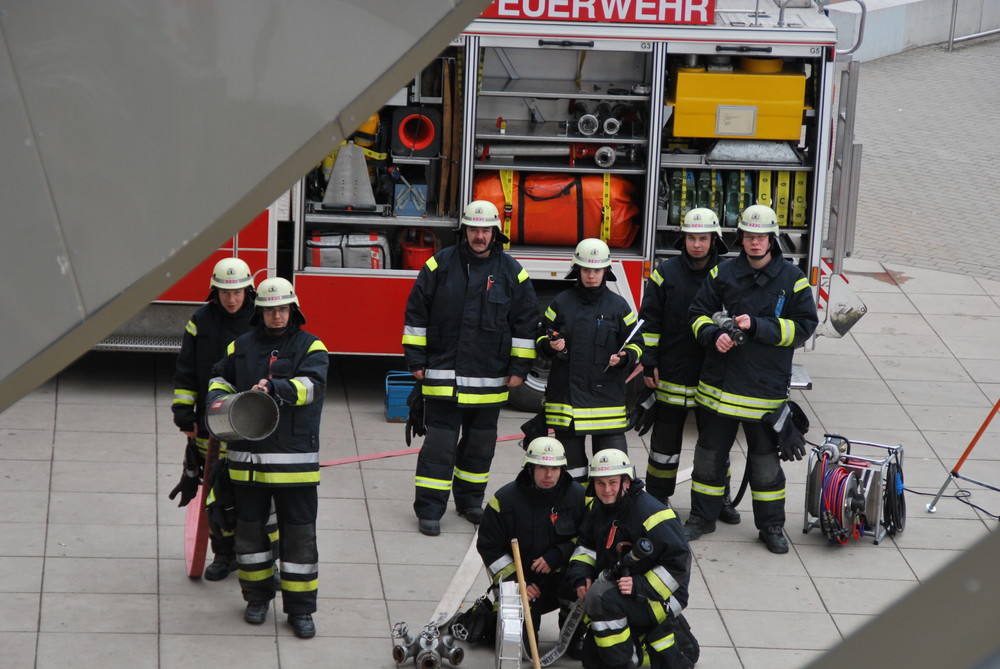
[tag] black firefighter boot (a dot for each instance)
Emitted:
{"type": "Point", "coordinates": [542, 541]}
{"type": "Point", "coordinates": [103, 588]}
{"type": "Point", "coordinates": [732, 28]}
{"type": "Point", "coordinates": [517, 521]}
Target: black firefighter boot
{"type": "Point", "coordinates": [222, 566]}
{"type": "Point", "coordinates": [728, 514]}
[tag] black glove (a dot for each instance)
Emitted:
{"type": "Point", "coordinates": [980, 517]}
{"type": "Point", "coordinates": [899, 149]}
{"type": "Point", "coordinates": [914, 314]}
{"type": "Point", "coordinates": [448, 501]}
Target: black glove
{"type": "Point", "coordinates": [415, 419]}
{"type": "Point", "coordinates": [788, 425]}
{"type": "Point", "coordinates": [190, 477]}
{"type": "Point", "coordinates": [642, 416]}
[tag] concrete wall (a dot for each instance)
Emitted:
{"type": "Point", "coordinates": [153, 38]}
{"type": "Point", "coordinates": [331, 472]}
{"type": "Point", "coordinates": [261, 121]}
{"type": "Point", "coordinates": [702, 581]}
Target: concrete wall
{"type": "Point", "coordinates": [897, 25]}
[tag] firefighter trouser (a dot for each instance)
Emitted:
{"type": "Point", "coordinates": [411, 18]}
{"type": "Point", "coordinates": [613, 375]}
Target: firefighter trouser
{"type": "Point", "coordinates": [456, 457]}
{"type": "Point", "coordinates": [619, 624]}
{"type": "Point", "coordinates": [711, 463]}
{"type": "Point", "coordinates": [226, 544]}
{"type": "Point", "coordinates": [555, 593]}
{"type": "Point", "coordinates": [295, 508]}
{"type": "Point", "coordinates": [576, 450]}
{"type": "Point", "coordinates": [665, 444]}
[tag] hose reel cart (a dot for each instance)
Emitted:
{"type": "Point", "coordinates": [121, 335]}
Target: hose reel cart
{"type": "Point", "coordinates": [849, 495]}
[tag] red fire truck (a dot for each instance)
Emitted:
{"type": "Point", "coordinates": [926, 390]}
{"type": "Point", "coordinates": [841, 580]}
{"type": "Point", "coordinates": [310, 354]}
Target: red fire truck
{"type": "Point", "coordinates": [599, 118]}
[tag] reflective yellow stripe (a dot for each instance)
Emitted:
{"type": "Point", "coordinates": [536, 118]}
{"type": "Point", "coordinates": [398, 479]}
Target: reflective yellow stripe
{"type": "Point", "coordinates": [801, 284]}
{"type": "Point", "coordinates": [550, 313]}
{"type": "Point", "coordinates": [526, 353]}
{"type": "Point", "coordinates": [490, 398]}
{"type": "Point", "coordinates": [182, 396]}
{"type": "Point", "coordinates": [432, 263]}
{"type": "Point", "coordinates": [414, 340]}
{"type": "Point", "coordinates": [658, 518]}
{"type": "Point", "coordinates": [300, 392]}
{"type": "Point", "coordinates": [738, 406]}
{"type": "Point", "coordinates": [433, 484]}
{"type": "Point", "coordinates": [231, 348]}
{"type": "Point", "coordinates": [472, 477]}
{"type": "Point", "coordinates": [494, 504]}
{"type": "Point", "coordinates": [662, 643]}
{"type": "Point", "coordinates": [282, 477]}
{"type": "Point", "coordinates": [710, 490]}
{"type": "Point", "coordinates": [317, 346]}
{"type": "Point", "coordinates": [768, 496]}
{"type": "Point", "coordinates": [613, 639]}
{"type": "Point", "coordinates": [630, 318]}
{"type": "Point", "coordinates": [787, 332]}
{"type": "Point", "coordinates": [299, 586]}
{"type": "Point", "coordinates": [651, 339]}
{"type": "Point", "coordinates": [659, 612]}
{"type": "Point", "coordinates": [522, 276]}
{"type": "Point", "coordinates": [257, 575]}
{"type": "Point", "coordinates": [656, 278]}
{"type": "Point", "coordinates": [191, 329]}
{"type": "Point", "coordinates": [657, 473]}
{"type": "Point", "coordinates": [438, 391]}
{"type": "Point", "coordinates": [699, 323]}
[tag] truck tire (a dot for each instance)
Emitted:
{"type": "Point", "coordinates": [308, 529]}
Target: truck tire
{"type": "Point", "coordinates": [530, 395]}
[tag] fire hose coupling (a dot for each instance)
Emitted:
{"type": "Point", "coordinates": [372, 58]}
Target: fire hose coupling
{"type": "Point", "coordinates": [727, 324]}
{"type": "Point", "coordinates": [832, 448]}
{"type": "Point", "coordinates": [641, 549]}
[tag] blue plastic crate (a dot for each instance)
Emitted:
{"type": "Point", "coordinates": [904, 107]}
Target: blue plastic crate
{"type": "Point", "coordinates": [397, 388]}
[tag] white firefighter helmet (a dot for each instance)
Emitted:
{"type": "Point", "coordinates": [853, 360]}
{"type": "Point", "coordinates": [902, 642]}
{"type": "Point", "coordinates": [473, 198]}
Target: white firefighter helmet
{"type": "Point", "coordinates": [275, 292]}
{"type": "Point", "coordinates": [481, 214]}
{"type": "Point", "coordinates": [231, 274]}
{"type": "Point", "coordinates": [592, 253]}
{"type": "Point", "coordinates": [611, 462]}
{"type": "Point", "coordinates": [758, 219]}
{"type": "Point", "coordinates": [701, 220]}
{"type": "Point", "coordinates": [545, 451]}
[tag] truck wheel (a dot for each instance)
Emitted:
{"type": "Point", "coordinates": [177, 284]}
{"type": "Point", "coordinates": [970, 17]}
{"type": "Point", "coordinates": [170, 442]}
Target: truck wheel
{"type": "Point", "coordinates": [530, 395]}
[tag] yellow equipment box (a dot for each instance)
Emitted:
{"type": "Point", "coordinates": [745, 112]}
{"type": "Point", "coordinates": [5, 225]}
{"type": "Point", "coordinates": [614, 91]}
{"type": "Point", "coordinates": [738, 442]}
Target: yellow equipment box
{"type": "Point", "coordinates": [740, 103]}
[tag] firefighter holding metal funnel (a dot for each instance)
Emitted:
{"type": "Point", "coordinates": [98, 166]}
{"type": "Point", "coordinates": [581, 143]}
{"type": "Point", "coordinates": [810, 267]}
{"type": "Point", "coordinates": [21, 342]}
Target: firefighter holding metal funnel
{"type": "Point", "coordinates": [287, 363]}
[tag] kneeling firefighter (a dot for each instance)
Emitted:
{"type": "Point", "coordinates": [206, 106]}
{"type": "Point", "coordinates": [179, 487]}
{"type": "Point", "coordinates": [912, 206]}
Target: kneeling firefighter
{"type": "Point", "coordinates": [633, 598]}
{"type": "Point", "coordinates": [542, 508]}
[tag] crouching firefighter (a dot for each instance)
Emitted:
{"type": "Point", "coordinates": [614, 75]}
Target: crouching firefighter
{"type": "Point", "coordinates": [281, 359]}
{"type": "Point", "coordinates": [633, 598]}
{"type": "Point", "coordinates": [542, 508]}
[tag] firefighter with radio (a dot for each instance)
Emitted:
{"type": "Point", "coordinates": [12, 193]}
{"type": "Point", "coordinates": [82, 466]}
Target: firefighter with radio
{"type": "Point", "coordinates": [469, 331]}
{"type": "Point", "coordinates": [631, 567]}
{"type": "Point", "coordinates": [281, 359]}
{"type": "Point", "coordinates": [224, 317]}
{"type": "Point", "coordinates": [771, 303]}
{"type": "Point", "coordinates": [592, 343]}
{"type": "Point", "coordinates": [672, 357]}
{"type": "Point", "coordinates": [542, 508]}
